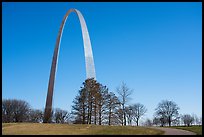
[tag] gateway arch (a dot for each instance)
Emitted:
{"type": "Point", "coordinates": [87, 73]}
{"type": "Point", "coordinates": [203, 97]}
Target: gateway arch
{"type": "Point", "coordinates": [90, 68]}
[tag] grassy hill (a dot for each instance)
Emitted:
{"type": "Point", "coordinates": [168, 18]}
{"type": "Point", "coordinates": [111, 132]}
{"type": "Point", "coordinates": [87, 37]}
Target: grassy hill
{"type": "Point", "coordinates": [74, 129]}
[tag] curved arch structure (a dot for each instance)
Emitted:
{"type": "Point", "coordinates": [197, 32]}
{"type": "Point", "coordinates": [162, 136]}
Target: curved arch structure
{"type": "Point", "coordinates": [90, 69]}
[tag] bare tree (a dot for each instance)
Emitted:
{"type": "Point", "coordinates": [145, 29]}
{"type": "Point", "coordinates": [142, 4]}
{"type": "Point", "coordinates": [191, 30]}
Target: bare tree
{"type": "Point", "coordinates": [129, 114]}
{"type": "Point", "coordinates": [36, 116]}
{"type": "Point", "coordinates": [14, 110]}
{"type": "Point", "coordinates": [167, 111]}
{"type": "Point", "coordinates": [156, 121]}
{"type": "Point", "coordinates": [187, 119]}
{"type": "Point", "coordinates": [176, 121]}
{"type": "Point", "coordinates": [124, 93]}
{"type": "Point", "coordinates": [61, 116]}
{"type": "Point", "coordinates": [7, 111]}
{"type": "Point", "coordinates": [138, 111]}
{"type": "Point", "coordinates": [119, 116]}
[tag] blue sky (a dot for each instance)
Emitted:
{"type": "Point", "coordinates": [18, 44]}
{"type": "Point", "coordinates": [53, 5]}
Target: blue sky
{"type": "Point", "coordinates": [155, 48]}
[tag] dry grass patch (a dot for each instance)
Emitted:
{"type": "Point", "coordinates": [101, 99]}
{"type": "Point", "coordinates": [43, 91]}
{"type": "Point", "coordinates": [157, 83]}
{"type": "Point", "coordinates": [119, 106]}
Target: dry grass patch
{"type": "Point", "coordinates": [74, 129]}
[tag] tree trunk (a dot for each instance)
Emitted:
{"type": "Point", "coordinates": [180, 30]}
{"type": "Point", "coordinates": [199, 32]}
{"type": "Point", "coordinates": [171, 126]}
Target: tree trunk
{"type": "Point", "coordinates": [83, 114]}
{"type": "Point", "coordinates": [109, 117]}
{"type": "Point", "coordinates": [124, 119]}
{"type": "Point", "coordinates": [169, 121]}
{"type": "Point", "coordinates": [137, 121]}
{"type": "Point", "coordinates": [95, 115]}
{"type": "Point", "coordinates": [90, 114]}
{"type": "Point", "coordinates": [99, 115]}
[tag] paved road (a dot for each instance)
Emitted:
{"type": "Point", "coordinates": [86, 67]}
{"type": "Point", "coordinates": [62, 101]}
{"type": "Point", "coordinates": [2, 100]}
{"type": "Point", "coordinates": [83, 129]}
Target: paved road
{"type": "Point", "coordinates": [171, 131]}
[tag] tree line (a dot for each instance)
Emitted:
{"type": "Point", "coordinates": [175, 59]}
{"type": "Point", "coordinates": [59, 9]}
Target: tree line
{"type": "Point", "coordinates": [14, 110]}
{"type": "Point", "coordinates": [95, 104]}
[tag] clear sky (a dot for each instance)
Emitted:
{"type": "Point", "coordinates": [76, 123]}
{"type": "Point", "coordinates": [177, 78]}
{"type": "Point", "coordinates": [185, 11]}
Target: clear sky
{"type": "Point", "coordinates": [155, 48]}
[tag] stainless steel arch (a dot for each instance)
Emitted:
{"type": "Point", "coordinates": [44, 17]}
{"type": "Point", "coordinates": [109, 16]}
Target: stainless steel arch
{"type": "Point", "coordinates": [90, 68]}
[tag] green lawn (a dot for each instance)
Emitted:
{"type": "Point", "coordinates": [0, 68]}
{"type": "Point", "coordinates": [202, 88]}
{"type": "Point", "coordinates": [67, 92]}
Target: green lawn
{"type": "Point", "coordinates": [196, 129]}
{"type": "Point", "coordinates": [74, 129]}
